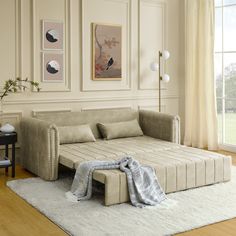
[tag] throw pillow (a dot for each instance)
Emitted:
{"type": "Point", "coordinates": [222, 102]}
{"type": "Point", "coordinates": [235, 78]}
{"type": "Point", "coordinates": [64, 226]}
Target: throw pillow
{"type": "Point", "coordinates": [120, 129]}
{"type": "Point", "coordinates": [75, 134]}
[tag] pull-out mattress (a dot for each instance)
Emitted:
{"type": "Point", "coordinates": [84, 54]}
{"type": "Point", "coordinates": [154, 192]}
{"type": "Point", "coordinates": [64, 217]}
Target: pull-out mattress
{"type": "Point", "coordinates": [177, 167]}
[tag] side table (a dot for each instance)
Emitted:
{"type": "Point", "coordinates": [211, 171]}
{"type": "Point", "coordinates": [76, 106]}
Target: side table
{"type": "Point", "coordinates": [7, 139]}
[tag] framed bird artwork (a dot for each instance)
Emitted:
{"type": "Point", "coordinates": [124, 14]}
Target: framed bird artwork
{"type": "Point", "coordinates": [107, 52]}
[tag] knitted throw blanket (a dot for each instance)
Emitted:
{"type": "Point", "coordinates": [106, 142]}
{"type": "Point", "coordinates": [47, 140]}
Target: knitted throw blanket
{"type": "Point", "coordinates": [143, 185]}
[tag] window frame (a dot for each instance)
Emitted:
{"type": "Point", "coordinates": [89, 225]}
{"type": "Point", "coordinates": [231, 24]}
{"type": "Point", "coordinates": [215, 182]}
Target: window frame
{"type": "Point", "coordinates": [223, 99]}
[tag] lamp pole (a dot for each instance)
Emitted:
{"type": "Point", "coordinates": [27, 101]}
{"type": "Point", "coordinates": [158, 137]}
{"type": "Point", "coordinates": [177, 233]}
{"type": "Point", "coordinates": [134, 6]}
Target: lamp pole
{"type": "Point", "coordinates": [160, 78]}
{"type": "Point", "coordinates": [165, 77]}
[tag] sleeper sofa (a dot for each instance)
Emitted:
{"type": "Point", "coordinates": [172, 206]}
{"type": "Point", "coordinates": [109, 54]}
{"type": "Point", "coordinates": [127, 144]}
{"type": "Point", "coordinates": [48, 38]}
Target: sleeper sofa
{"type": "Point", "coordinates": [177, 167]}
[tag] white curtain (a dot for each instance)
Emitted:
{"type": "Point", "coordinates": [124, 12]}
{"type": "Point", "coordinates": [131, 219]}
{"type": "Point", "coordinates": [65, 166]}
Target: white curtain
{"type": "Point", "coordinates": [200, 102]}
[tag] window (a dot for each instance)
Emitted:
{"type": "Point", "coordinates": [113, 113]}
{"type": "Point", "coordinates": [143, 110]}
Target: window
{"type": "Point", "coordinates": [225, 69]}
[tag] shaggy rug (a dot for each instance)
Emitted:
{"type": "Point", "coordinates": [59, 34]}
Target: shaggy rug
{"type": "Point", "coordinates": [194, 208]}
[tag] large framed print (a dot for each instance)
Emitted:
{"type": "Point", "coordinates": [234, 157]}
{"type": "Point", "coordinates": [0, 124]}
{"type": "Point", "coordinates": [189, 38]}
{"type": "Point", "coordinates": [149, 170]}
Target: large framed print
{"type": "Point", "coordinates": [107, 52]}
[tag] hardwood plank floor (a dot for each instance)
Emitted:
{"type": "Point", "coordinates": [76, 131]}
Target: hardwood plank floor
{"type": "Point", "coordinates": [18, 218]}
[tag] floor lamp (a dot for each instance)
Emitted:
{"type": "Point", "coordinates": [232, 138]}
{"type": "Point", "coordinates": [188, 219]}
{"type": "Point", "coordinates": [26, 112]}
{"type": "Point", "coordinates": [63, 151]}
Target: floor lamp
{"type": "Point", "coordinates": [157, 67]}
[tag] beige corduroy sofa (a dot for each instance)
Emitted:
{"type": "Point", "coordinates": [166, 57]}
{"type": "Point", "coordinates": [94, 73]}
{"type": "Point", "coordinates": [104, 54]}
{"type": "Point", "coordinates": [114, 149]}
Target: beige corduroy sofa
{"type": "Point", "coordinates": [178, 167]}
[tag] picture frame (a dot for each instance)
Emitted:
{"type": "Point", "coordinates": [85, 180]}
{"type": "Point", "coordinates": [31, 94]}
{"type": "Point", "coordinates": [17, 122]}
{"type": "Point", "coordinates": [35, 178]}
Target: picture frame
{"type": "Point", "coordinates": [106, 52]}
{"type": "Point", "coordinates": [52, 35]}
{"type": "Point", "coordinates": [52, 67]}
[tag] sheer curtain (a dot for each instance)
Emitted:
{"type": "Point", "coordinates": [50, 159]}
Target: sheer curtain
{"type": "Point", "coordinates": [200, 103]}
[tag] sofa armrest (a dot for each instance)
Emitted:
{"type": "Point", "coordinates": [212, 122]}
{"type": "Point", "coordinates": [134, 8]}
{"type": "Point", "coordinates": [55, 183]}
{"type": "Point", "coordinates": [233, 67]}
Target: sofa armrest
{"type": "Point", "coordinates": [160, 125]}
{"type": "Point", "coordinates": [40, 148]}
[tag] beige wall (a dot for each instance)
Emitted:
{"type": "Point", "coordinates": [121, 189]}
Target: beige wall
{"type": "Point", "coordinates": [148, 26]}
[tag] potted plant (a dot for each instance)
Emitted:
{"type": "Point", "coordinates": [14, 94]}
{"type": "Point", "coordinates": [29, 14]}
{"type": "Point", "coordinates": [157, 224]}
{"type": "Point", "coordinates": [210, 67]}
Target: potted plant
{"type": "Point", "coordinates": [13, 86]}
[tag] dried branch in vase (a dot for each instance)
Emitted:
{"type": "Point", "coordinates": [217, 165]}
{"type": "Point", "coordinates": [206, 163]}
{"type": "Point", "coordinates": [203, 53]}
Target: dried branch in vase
{"type": "Point", "coordinates": [18, 84]}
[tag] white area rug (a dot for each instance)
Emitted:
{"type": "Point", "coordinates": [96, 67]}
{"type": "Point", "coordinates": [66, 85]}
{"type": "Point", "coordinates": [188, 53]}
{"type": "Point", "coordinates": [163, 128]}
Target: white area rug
{"type": "Point", "coordinates": [195, 208]}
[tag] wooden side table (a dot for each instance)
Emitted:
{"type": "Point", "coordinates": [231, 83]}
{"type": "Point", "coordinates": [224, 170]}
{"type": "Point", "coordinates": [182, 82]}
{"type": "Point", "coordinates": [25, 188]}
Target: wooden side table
{"type": "Point", "coordinates": [9, 139]}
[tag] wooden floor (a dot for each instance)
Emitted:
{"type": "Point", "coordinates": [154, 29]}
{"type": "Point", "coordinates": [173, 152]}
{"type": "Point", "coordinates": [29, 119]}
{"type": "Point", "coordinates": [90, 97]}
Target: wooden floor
{"type": "Point", "coordinates": [17, 218]}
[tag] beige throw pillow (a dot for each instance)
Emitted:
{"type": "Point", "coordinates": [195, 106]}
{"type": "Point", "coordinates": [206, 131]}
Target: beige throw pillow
{"type": "Point", "coordinates": [120, 129]}
{"type": "Point", "coordinates": [75, 134]}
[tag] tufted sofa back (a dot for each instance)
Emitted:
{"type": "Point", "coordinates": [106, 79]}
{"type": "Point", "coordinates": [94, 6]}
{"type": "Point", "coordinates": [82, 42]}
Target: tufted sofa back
{"type": "Point", "coordinates": [90, 117]}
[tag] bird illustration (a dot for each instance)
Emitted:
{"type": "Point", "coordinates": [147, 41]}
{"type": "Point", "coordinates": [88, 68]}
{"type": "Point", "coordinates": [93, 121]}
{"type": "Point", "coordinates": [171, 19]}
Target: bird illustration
{"type": "Point", "coordinates": [110, 63]}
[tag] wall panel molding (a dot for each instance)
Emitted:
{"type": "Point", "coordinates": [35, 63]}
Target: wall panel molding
{"type": "Point", "coordinates": [36, 54]}
{"type": "Point", "coordinates": [152, 107]}
{"type": "Point", "coordinates": [36, 112]}
{"type": "Point", "coordinates": [18, 41]}
{"type": "Point", "coordinates": [141, 75]}
{"type": "Point", "coordinates": [14, 114]}
{"type": "Point", "coordinates": [10, 39]}
{"type": "Point", "coordinates": [105, 108]}
{"type": "Point", "coordinates": [99, 85]}
{"type": "Point", "coordinates": [88, 99]}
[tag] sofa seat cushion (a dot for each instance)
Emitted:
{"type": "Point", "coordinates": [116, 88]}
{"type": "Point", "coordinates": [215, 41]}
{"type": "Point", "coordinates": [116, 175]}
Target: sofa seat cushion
{"type": "Point", "coordinates": [71, 155]}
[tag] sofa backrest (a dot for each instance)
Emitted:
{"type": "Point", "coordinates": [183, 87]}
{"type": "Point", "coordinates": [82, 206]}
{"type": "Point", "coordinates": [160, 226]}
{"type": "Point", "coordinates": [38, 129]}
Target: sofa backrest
{"type": "Point", "coordinates": [90, 117]}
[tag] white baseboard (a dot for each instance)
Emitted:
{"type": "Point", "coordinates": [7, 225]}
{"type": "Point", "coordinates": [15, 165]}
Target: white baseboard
{"type": "Point", "coordinates": [228, 147]}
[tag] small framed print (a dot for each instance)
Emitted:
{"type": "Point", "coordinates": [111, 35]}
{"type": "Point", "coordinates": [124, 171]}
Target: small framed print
{"type": "Point", "coordinates": [53, 33]}
{"type": "Point", "coordinates": [53, 67]}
